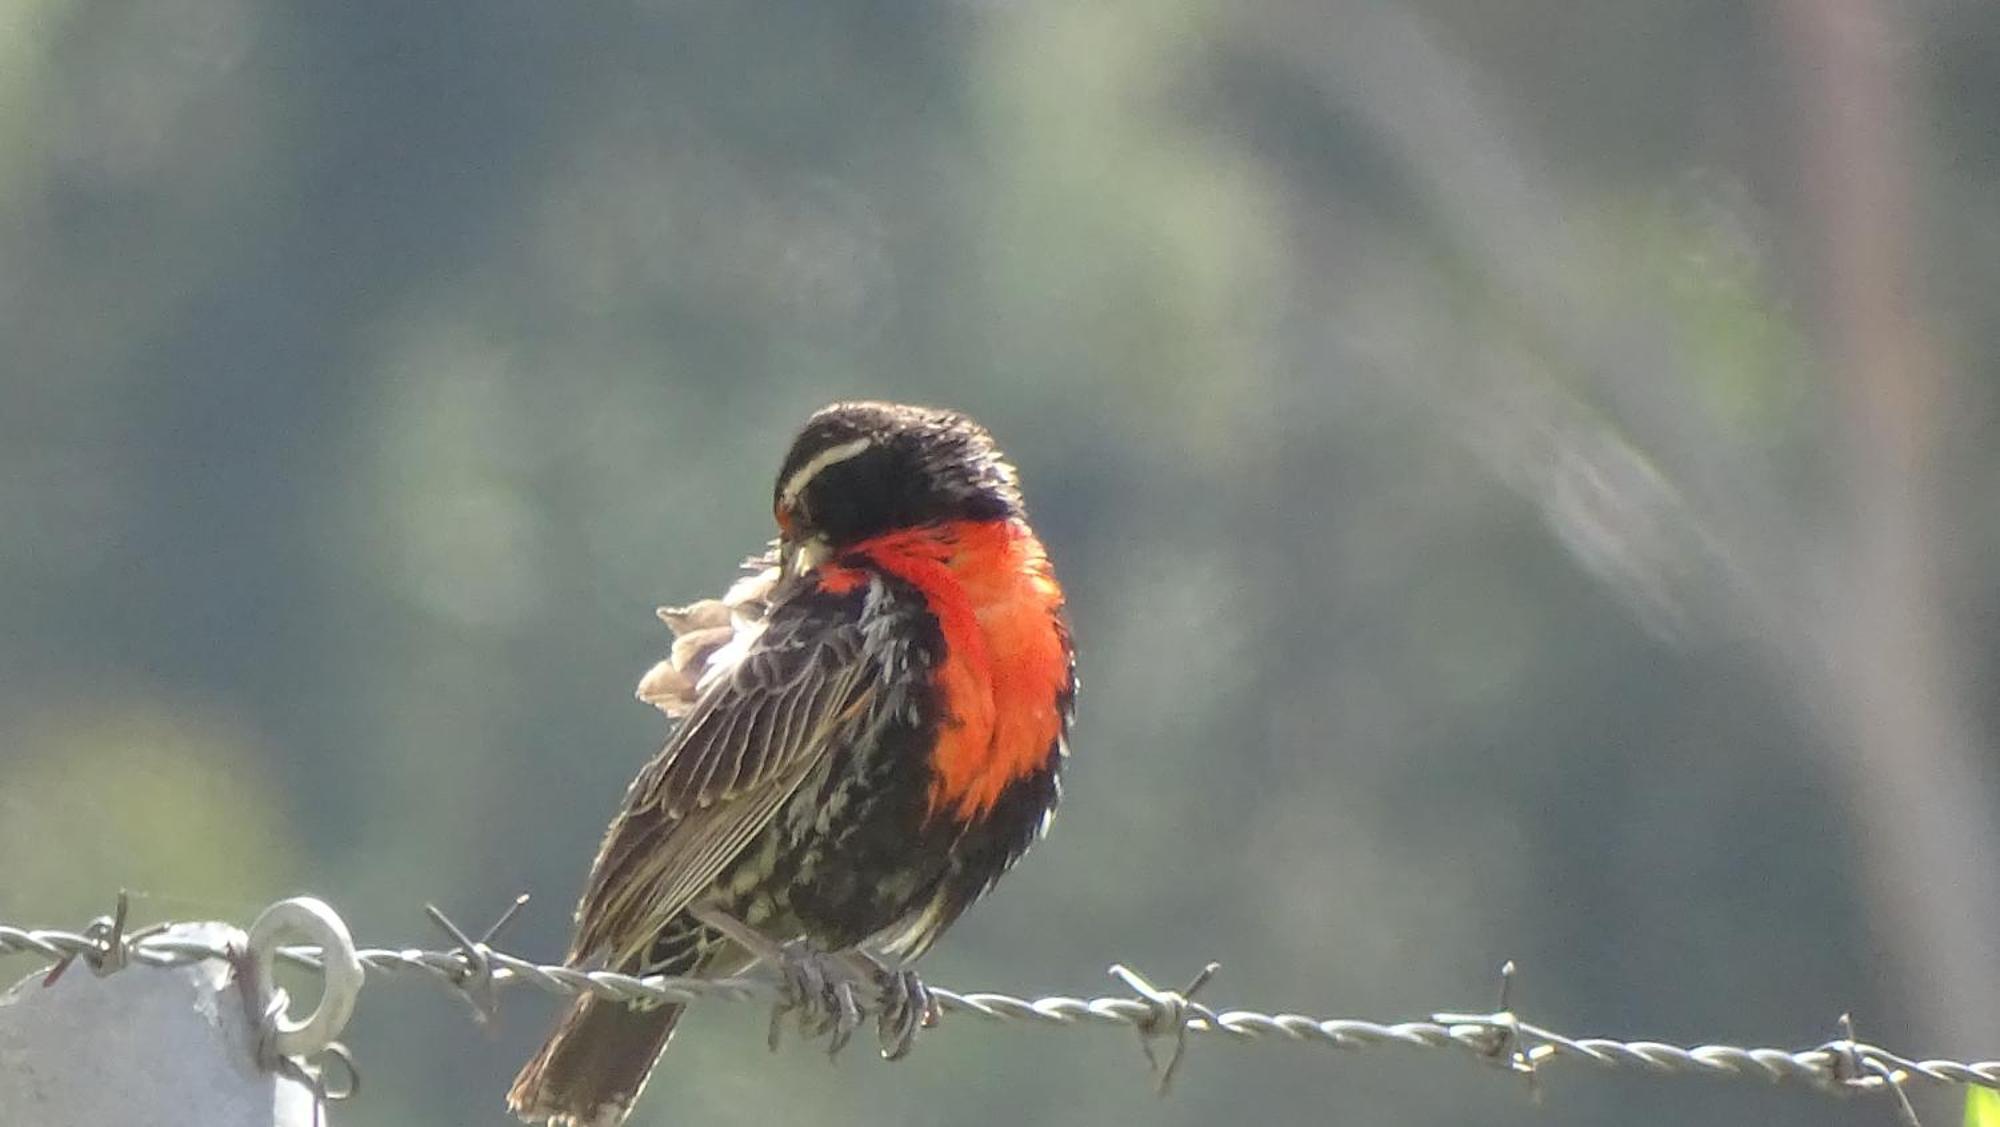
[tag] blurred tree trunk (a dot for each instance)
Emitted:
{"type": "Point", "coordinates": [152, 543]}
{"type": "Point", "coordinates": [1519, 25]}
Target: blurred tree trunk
{"type": "Point", "coordinates": [1865, 641]}
{"type": "Point", "coordinates": [1894, 701]}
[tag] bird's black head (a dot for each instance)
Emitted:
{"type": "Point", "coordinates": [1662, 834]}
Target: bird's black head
{"type": "Point", "coordinates": [861, 469]}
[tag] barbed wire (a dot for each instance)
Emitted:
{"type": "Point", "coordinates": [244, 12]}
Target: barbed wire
{"type": "Point", "coordinates": [476, 971]}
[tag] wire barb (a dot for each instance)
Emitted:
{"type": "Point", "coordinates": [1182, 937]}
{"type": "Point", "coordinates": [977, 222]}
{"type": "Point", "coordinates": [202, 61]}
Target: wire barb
{"type": "Point", "coordinates": [1844, 1065]}
{"type": "Point", "coordinates": [110, 944]}
{"type": "Point", "coordinates": [1172, 1011]}
{"type": "Point", "coordinates": [1496, 1038]}
{"type": "Point", "coordinates": [1853, 1065]}
{"type": "Point", "coordinates": [473, 980]}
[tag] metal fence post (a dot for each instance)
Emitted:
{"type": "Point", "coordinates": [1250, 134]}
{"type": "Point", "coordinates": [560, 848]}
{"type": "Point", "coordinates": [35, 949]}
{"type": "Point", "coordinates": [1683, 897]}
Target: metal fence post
{"type": "Point", "coordinates": [164, 1047]}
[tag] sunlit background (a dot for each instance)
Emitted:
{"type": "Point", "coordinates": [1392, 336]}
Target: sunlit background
{"type": "Point", "coordinates": [1524, 474]}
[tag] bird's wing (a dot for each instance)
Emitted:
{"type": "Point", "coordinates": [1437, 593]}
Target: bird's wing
{"type": "Point", "coordinates": [802, 688]}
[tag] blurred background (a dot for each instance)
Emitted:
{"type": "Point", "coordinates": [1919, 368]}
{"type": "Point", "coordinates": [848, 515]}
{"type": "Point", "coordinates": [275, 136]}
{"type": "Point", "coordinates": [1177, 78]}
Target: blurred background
{"type": "Point", "coordinates": [1524, 475]}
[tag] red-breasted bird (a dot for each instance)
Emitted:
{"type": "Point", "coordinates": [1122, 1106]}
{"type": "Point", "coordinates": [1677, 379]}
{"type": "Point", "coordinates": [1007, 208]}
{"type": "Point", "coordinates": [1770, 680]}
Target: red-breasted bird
{"type": "Point", "coordinates": [873, 729]}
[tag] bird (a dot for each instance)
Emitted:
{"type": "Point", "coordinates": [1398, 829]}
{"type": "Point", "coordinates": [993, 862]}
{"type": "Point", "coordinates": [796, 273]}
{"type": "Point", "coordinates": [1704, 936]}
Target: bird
{"type": "Point", "coordinates": [872, 726]}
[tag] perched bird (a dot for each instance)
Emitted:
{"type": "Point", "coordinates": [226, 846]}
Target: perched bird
{"type": "Point", "coordinates": [872, 724]}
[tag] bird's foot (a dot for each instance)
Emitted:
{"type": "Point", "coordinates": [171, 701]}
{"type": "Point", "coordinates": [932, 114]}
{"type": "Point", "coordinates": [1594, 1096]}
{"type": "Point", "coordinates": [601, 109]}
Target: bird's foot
{"type": "Point", "coordinates": [903, 1006]}
{"type": "Point", "coordinates": [812, 984]}
{"type": "Point", "coordinates": [820, 990]}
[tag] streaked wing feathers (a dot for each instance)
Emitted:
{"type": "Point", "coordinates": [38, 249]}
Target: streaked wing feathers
{"type": "Point", "coordinates": [745, 746]}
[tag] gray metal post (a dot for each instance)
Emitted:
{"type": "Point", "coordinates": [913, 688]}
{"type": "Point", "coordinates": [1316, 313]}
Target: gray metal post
{"type": "Point", "coordinates": [146, 1047]}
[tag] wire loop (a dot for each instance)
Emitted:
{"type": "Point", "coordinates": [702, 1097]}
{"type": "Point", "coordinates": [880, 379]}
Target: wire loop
{"type": "Point", "coordinates": [340, 968]}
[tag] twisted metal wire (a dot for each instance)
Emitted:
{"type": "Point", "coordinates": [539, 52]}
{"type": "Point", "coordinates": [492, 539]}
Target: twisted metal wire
{"type": "Point", "coordinates": [1501, 1039]}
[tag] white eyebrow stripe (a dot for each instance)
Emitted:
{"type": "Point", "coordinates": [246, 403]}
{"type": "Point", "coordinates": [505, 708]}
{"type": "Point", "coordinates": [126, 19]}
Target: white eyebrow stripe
{"type": "Point", "coordinates": [827, 457]}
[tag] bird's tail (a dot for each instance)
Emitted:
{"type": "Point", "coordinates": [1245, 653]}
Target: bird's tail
{"type": "Point", "coordinates": [594, 1065]}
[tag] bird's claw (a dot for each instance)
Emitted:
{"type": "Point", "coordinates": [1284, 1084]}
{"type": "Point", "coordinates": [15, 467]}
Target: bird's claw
{"type": "Point", "coordinates": [903, 1004]}
{"type": "Point", "coordinates": [907, 1006]}
{"type": "Point", "coordinates": [821, 989]}
{"type": "Point", "coordinates": [815, 988]}
{"type": "Point", "coordinates": [846, 1017]}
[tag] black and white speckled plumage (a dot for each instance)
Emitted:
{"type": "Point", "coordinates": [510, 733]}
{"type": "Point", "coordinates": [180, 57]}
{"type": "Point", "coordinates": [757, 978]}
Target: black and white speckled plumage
{"type": "Point", "coordinates": [800, 793]}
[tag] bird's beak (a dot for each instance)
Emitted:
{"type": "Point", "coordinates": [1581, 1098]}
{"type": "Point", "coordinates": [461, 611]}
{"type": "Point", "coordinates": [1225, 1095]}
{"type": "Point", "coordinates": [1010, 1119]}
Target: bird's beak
{"type": "Point", "coordinates": [796, 558]}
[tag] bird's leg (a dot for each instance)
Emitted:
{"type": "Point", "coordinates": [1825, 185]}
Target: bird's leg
{"type": "Point", "coordinates": [904, 1004]}
{"type": "Point", "coordinates": [817, 986]}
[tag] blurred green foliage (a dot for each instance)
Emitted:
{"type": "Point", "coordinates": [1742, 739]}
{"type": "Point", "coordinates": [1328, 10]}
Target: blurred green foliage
{"type": "Point", "coordinates": [371, 370]}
